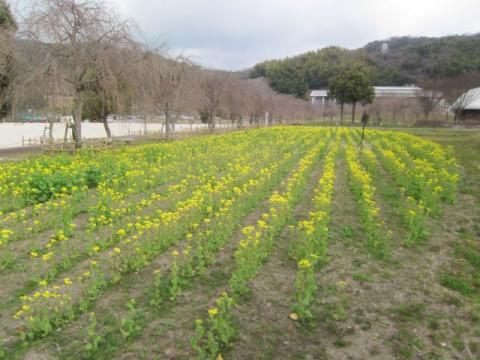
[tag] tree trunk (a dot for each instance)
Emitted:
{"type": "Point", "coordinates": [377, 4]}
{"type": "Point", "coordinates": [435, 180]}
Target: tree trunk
{"type": "Point", "coordinates": [354, 105]}
{"type": "Point", "coordinates": [77, 120]}
{"type": "Point", "coordinates": [168, 119]}
{"type": "Point", "coordinates": [169, 127]}
{"type": "Point", "coordinates": [341, 112]}
{"type": "Point", "coordinates": [50, 130]}
{"type": "Point", "coordinates": [211, 120]}
{"type": "Point", "coordinates": [167, 123]}
{"type": "Point", "coordinates": [106, 126]}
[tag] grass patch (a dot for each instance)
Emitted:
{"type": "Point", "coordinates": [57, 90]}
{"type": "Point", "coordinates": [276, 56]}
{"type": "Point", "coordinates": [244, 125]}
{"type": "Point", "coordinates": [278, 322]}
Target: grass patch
{"type": "Point", "coordinates": [406, 344]}
{"type": "Point", "coordinates": [408, 312]}
{"type": "Point", "coordinates": [362, 278]}
{"type": "Point", "coordinates": [455, 283]}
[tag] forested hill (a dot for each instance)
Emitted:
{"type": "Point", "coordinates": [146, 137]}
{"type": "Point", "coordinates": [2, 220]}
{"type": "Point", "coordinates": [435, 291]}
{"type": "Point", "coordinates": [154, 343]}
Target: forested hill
{"type": "Point", "coordinates": [396, 61]}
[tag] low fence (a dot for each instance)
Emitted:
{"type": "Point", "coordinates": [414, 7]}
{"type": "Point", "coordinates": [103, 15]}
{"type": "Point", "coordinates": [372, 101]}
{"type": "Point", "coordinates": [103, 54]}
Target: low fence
{"type": "Point", "coordinates": [161, 135]}
{"type": "Point", "coordinates": [99, 144]}
{"type": "Point", "coordinates": [70, 146]}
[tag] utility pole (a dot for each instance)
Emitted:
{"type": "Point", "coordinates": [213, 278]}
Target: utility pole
{"type": "Point", "coordinates": [365, 117]}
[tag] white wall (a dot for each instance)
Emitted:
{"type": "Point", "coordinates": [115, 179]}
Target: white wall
{"type": "Point", "coordinates": [11, 133]}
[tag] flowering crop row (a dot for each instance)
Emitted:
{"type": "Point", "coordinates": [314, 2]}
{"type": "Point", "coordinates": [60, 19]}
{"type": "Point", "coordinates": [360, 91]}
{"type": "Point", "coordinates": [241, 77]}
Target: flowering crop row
{"type": "Point", "coordinates": [310, 240]}
{"type": "Point", "coordinates": [421, 179]}
{"type": "Point", "coordinates": [207, 240]}
{"type": "Point", "coordinates": [193, 256]}
{"type": "Point", "coordinates": [130, 170]}
{"type": "Point", "coordinates": [412, 211]}
{"type": "Point", "coordinates": [364, 191]}
{"type": "Point", "coordinates": [215, 333]}
{"type": "Point", "coordinates": [49, 262]}
{"type": "Point", "coordinates": [75, 227]}
{"type": "Point", "coordinates": [145, 240]}
{"type": "Point", "coordinates": [111, 202]}
{"type": "Point", "coordinates": [440, 158]}
{"type": "Point", "coordinates": [258, 240]}
{"type": "Point", "coordinates": [423, 182]}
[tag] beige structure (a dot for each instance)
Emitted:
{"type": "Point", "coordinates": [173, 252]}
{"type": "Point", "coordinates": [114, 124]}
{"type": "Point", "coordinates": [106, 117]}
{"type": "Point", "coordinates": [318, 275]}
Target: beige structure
{"type": "Point", "coordinates": [320, 97]}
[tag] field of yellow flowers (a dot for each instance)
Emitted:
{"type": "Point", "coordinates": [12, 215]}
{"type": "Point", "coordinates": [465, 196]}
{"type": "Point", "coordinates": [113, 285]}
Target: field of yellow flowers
{"type": "Point", "coordinates": [156, 251]}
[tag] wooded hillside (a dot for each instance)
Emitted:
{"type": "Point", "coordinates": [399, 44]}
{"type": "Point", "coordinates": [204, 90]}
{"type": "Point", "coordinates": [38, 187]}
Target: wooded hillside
{"type": "Point", "coordinates": [408, 60]}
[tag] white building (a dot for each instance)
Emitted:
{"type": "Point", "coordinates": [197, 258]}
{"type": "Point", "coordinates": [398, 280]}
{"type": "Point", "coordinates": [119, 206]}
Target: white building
{"type": "Point", "coordinates": [396, 91]}
{"type": "Point", "coordinates": [320, 97]}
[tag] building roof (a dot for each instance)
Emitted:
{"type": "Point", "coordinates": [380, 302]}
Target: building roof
{"type": "Point", "coordinates": [404, 91]}
{"type": "Point", "coordinates": [380, 91]}
{"type": "Point", "coordinates": [319, 93]}
{"type": "Point", "coordinates": [472, 98]}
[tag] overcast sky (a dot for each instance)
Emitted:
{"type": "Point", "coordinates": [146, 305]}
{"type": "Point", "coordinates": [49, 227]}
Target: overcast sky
{"type": "Point", "coordinates": [236, 34]}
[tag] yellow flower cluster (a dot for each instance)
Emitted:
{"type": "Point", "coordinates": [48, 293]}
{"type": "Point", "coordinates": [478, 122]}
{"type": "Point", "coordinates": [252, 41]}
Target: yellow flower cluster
{"type": "Point", "coordinates": [144, 236]}
{"type": "Point", "coordinates": [186, 199]}
{"type": "Point", "coordinates": [310, 239]}
{"type": "Point", "coordinates": [426, 173]}
{"type": "Point", "coordinates": [364, 190]}
{"type": "Point", "coordinates": [304, 263]}
{"type": "Point", "coordinates": [258, 239]}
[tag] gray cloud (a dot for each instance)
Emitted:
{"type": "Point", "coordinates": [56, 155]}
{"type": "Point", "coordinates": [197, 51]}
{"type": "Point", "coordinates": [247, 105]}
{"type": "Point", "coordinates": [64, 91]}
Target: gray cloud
{"type": "Point", "coordinates": [234, 34]}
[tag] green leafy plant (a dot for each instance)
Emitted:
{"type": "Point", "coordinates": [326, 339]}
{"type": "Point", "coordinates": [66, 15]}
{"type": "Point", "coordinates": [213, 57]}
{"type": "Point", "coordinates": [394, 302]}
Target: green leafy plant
{"type": "Point", "coordinates": [92, 340]}
{"type": "Point", "coordinates": [305, 288]}
{"type": "Point", "coordinates": [215, 333]}
{"type": "Point", "coordinates": [131, 325]}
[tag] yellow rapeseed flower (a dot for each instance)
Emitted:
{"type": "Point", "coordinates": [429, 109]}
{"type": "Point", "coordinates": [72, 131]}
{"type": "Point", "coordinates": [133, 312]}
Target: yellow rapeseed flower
{"type": "Point", "coordinates": [304, 263]}
{"type": "Point", "coordinates": [212, 312]}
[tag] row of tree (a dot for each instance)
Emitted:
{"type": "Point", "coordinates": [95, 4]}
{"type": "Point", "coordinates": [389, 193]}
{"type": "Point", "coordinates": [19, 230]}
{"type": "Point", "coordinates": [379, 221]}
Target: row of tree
{"type": "Point", "coordinates": [312, 70]}
{"type": "Point", "coordinates": [351, 85]}
{"type": "Point", "coordinates": [82, 56]}
{"type": "Point", "coordinates": [435, 64]}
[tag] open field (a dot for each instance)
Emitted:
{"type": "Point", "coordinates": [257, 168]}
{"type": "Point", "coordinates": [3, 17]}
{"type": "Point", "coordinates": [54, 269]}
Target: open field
{"type": "Point", "coordinates": [281, 243]}
{"type": "Point", "coordinates": [11, 134]}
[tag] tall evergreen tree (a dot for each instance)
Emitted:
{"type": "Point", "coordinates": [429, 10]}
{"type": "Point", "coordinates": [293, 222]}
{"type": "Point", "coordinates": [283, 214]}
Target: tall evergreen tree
{"type": "Point", "coordinates": [288, 78]}
{"type": "Point", "coordinates": [351, 86]}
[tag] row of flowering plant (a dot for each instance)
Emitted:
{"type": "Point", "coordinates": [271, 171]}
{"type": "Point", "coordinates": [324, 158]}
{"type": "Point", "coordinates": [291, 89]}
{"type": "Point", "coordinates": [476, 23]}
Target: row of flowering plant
{"type": "Point", "coordinates": [310, 238]}
{"type": "Point", "coordinates": [362, 186]}
{"type": "Point", "coordinates": [253, 249]}
{"type": "Point", "coordinates": [137, 245]}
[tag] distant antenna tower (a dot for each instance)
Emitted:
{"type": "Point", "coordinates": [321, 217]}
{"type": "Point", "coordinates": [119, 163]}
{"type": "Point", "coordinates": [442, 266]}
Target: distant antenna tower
{"type": "Point", "coordinates": [384, 49]}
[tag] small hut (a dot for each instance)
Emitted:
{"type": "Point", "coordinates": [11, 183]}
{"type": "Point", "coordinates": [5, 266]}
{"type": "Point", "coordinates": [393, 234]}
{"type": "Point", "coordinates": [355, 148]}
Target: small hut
{"type": "Point", "coordinates": [469, 106]}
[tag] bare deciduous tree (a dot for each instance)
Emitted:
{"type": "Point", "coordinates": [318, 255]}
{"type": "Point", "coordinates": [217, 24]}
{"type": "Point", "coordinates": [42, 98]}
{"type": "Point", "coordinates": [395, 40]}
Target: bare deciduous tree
{"type": "Point", "coordinates": [456, 92]}
{"type": "Point", "coordinates": [75, 45]}
{"type": "Point", "coordinates": [428, 101]}
{"type": "Point", "coordinates": [463, 101]}
{"type": "Point", "coordinates": [213, 86]}
{"type": "Point", "coordinates": [164, 86]}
